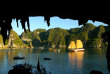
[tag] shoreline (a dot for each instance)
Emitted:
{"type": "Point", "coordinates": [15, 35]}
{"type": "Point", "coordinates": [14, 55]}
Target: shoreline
{"type": "Point", "coordinates": [20, 47]}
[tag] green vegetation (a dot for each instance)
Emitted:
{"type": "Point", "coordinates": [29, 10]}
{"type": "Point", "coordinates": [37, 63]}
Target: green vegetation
{"type": "Point", "coordinates": [27, 35]}
{"type": "Point", "coordinates": [37, 36]}
{"type": "Point", "coordinates": [83, 36]}
{"type": "Point", "coordinates": [88, 27]}
{"type": "Point", "coordinates": [16, 40]}
{"type": "Point", "coordinates": [56, 36]}
{"type": "Point", "coordinates": [74, 30]}
{"type": "Point", "coordinates": [1, 39]}
{"type": "Point", "coordinates": [90, 35]}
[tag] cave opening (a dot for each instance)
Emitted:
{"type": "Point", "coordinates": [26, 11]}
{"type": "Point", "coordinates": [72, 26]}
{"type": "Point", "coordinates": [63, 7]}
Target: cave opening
{"type": "Point", "coordinates": [24, 22]}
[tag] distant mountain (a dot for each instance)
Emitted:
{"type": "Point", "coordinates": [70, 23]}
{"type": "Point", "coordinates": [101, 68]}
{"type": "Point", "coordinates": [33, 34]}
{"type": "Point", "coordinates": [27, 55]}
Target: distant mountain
{"type": "Point", "coordinates": [13, 40]}
{"type": "Point", "coordinates": [56, 37]}
{"type": "Point", "coordinates": [74, 30]}
{"type": "Point", "coordinates": [88, 27]}
{"type": "Point", "coordinates": [89, 34]}
{"type": "Point", "coordinates": [27, 36]}
{"type": "Point", "coordinates": [95, 37]}
{"type": "Point", "coordinates": [39, 35]}
{"type": "Point", "coordinates": [36, 37]}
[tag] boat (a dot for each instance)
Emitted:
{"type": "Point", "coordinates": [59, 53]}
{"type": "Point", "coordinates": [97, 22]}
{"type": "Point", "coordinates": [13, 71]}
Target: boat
{"type": "Point", "coordinates": [79, 46]}
{"type": "Point", "coordinates": [58, 50]}
{"type": "Point", "coordinates": [41, 47]}
{"type": "Point", "coordinates": [54, 50]}
{"type": "Point", "coordinates": [72, 45]}
{"type": "Point", "coordinates": [76, 47]}
{"type": "Point", "coordinates": [17, 57]}
{"type": "Point", "coordinates": [47, 58]}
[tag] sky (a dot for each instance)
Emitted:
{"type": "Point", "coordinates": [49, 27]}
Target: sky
{"type": "Point", "coordinates": [38, 22]}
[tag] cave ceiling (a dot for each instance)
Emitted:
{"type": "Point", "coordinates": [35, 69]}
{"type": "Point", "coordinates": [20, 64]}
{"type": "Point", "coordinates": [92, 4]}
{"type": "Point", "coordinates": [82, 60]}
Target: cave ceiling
{"type": "Point", "coordinates": [23, 12]}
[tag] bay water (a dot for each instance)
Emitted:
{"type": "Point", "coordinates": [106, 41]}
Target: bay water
{"type": "Point", "coordinates": [63, 62]}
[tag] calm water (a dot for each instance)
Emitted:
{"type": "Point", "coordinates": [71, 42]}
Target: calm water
{"type": "Point", "coordinates": [62, 62]}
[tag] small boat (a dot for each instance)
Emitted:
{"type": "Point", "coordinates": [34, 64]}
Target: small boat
{"type": "Point", "coordinates": [76, 47]}
{"type": "Point", "coordinates": [58, 50]}
{"type": "Point", "coordinates": [54, 50]}
{"type": "Point", "coordinates": [47, 58]}
{"type": "Point", "coordinates": [17, 57]}
{"type": "Point", "coordinates": [42, 47]}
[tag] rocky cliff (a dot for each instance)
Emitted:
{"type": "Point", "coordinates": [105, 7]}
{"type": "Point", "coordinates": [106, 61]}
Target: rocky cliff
{"type": "Point", "coordinates": [36, 37]}
{"type": "Point", "coordinates": [13, 41]}
{"type": "Point", "coordinates": [89, 34]}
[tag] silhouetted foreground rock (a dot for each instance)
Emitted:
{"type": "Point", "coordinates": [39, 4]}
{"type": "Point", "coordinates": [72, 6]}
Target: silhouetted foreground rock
{"type": "Point", "coordinates": [95, 72]}
{"type": "Point", "coordinates": [19, 72]}
{"type": "Point", "coordinates": [27, 69]}
{"type": "Point", "coordinates": [21, 69]}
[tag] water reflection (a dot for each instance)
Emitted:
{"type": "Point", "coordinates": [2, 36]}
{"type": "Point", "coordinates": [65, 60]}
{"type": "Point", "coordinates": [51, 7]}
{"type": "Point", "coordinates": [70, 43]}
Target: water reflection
{"type": "Point", "coordinates": [76, 59]}
{"type": "Point", "coordinates": [62, 62]}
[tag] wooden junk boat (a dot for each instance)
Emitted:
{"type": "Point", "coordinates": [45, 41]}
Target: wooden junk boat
{"type": "Point", "coordinates": [76, 47]}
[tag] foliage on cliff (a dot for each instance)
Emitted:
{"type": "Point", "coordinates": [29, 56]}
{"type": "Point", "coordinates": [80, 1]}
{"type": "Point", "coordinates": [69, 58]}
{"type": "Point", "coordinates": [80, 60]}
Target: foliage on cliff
{"type": "Point", "coordinates": [89, 34]}
{"type": "Point", "coordinates": [74, 30]}
{"type": "Point", "coordinates": [1, 39]}
{"type": "Point", "coordinates": [83, 36]}
{"type": "Point", "coordinates": [27, 35]}
{"type": "Point", "coordinates": [37, 36]}
{"type": "Point", "coordinates": [95, 37]}
{"type": "Point", "coordinates": [16, 40]}
{"type": "Point", "coordinates": [56, 36]}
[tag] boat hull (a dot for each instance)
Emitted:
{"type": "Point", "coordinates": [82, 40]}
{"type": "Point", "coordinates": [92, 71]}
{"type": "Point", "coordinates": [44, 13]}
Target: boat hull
{"type": "Point", "coordinates": [17, 57]}
{"type": "Point", "coordinates": [77, 50]}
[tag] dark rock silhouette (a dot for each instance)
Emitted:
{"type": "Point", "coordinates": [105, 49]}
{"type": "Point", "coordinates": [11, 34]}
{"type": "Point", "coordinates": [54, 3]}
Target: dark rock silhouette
{"type": "Point", "coordinates": [95, 72]}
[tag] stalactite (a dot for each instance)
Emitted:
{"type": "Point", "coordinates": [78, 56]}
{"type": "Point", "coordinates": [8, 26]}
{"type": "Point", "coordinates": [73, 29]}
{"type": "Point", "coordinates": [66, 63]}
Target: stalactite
{"type": "Point", "coordinates": [17, 22]}
{"type": "Point", "coordinates": [23, 24]}
{"type": "Point", "coordinates": [93, 20]}
{"type": "Point", "coordinates": [8, 22]}
{"type": "Point", "coordinates": [4, 34]}
{"type": "Point", "coordinates": [5, 24]}
{"type": "Point", "coordinates": [80, 22]}
{"type": "Point", "coordinates": [85, 21]}
{"type": "Point", "coordinates": [25, 19]}
{"type": "Point", "coordinates": [47, 19]}
{"type": "Point", "coordinates": [28, 23]}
